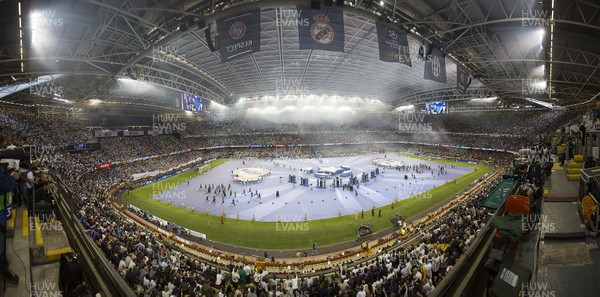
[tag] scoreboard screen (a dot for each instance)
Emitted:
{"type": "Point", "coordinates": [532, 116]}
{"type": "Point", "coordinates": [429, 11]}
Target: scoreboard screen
{"type": "Point", "coordinates": [436, 107]}
{"type": "Point", "coordinates": [192, 103]}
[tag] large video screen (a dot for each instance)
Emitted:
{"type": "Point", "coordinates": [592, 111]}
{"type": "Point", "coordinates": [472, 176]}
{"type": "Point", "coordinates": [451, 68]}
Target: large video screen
{"type": "Point", "coordinates": [436, 107]}
{"type": "Point", "coordinates": [192, 103]}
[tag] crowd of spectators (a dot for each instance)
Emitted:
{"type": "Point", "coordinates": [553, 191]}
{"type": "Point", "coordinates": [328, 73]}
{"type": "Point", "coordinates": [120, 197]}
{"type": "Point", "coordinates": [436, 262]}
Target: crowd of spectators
{"type": "Point", "coordinates": [25, 124]}
{"type": "Point", "coordinates": [153, 267]}
{"type": "Point", "coordinates": [522, 123]}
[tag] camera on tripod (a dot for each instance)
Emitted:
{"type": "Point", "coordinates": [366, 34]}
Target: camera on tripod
{"type": "Point", "coordinates": [24, 154]}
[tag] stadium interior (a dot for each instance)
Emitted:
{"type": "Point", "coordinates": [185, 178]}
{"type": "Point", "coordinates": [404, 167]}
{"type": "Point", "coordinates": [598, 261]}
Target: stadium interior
{"type": "Point", "coordinates": [299, 148]}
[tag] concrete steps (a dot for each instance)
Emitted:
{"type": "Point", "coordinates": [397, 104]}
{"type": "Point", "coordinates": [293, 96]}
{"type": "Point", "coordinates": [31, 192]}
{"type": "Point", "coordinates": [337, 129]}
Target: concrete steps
{"type": "Point", "coordinates": [38, 269]}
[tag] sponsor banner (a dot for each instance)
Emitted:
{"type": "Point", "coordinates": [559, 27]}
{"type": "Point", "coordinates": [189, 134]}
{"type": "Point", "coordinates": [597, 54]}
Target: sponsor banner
{"type": "Point", "coordinates": [393, 44]}
{"type": "Point", "coordinates": [324, 29]}
{"type": "Point", "coordinates": [239, 35]}
{"type": "Point", "coordinates": [435, 67]}
{"type": "Point", "coordinates": [197, 234]}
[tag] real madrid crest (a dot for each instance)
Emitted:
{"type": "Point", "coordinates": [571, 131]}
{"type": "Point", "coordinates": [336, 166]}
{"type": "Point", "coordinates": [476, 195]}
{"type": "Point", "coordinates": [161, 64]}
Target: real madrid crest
{"type": "Point", "coordinates": [435, 66]}
{"type": "Point", "coordinates": [321, 31]}
{"type": "Point", "coordinates": [237, 30]}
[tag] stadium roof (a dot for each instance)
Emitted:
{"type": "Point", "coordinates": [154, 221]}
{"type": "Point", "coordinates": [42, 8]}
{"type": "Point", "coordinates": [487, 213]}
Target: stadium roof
{"type": "Point", "coordinates": [547, 50]}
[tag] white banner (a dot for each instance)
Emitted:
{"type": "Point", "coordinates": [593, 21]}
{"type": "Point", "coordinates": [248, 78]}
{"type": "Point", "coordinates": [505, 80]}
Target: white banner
{"type": "Point", "coordinates": [197, 234]}
{"type": "Point", "coordinates": [145, 174]}
{"type": "Point", "coordinates": [105, 133]}
{"type": "Point", "coordinates": [133, 133]}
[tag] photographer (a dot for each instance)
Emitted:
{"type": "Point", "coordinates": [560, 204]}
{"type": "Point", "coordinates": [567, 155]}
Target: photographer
{"type": "Point", "coordinates": [27, 180]}
{"type": "Point", "coordinates": [7, 185]}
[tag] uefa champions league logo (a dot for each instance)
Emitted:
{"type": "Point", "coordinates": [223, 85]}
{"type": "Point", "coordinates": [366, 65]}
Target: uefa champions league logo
{"type": "Point", "coordinates": [237, 30]}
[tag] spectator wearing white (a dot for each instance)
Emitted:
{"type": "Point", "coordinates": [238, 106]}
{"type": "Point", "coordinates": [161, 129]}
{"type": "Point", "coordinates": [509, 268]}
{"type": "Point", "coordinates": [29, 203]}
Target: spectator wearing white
{"type": "Point", "coordinates": [362, 292]}
{"type": "Point", "coordinates": [219, 279]}
{"type": "Point", "coordinates": [235, 276]}
{"type": "Point", "coordinates": [287, 285]}
{"type": "Point", "coordinates": [295, 283]}
{"type": "Point", "coordinates": [428, 268]}
{"type": "Point", "coordinates": [428, 287]}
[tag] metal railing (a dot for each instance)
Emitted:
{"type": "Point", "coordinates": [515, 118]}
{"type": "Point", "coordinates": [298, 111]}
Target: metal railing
{"type": "Point", "coordinates": [100, 272]}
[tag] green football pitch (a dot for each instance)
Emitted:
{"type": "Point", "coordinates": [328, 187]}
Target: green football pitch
{"type": "Point", "coordinates": [296, 236]}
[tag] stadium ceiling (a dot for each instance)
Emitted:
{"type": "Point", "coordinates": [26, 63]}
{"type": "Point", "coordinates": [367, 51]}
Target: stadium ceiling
{"type": "Point", "coordinates": [546, 50]}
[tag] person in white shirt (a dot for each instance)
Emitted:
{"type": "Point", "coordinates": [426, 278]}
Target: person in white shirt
{"type": "Point", "coordinates": [406, 269]}
{"type": "Point", "coordinates": [219, 278]}
{"type": "Point", "coordinates": [361, 293]}
{"type": "Point", "coordinates": [435, 265]}
{"type": "Point", "coordinates": [121, 266]}
{"type": "Point", "coordinates": [221, 293]}
{"type": "Point", "coordinates": [428, 268]}
{"type": "Point", "coordinates": [375, 284]}
{"type": "Point", "coordinates": [287, 285]}
{"type": "Point", "coordinates": [166, 292]}
{"type": "Point", "coordinates": [295, 283]}
{"type": "Point", "coordinates": [343, 285]}
{"type": "Point", "coordinates": [418, 274]}
{"type": "Point", "coordinates": [248, 270]}
{"type": "Point", "coordinates": [428, 287]}
{"type": "Point", "coordinates": [235, 276]}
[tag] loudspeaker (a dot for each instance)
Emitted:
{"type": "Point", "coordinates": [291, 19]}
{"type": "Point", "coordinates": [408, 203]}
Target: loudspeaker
{"type": "Point", "coordinates": [186, 25]}
{"type": "Point", "coordinates": [339, 3]}
{"type": "Point", "coordinates": [209, 42]}
{"type": "Point", "coordinates": [429, 49]}
{"type": "Point", "coordinates": [201, 24]}
{"type": "Point", "coordinates": [328, 3]}
{"type": "Point", "coordinates": [315, 5]}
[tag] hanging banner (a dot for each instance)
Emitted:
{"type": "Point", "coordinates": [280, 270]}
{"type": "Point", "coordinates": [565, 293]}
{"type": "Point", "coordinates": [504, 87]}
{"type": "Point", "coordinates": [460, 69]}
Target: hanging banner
{"type": "Point", "coordinates": [435, 67]}
{"type": "Point", "coordinates": [463, 80]}
{"type": "Point", "coordinates": [393, 44]}
{"type": "Point", "coordinates": [324, 29]}
{"type": "Point", "coordinates": [239, 35]}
